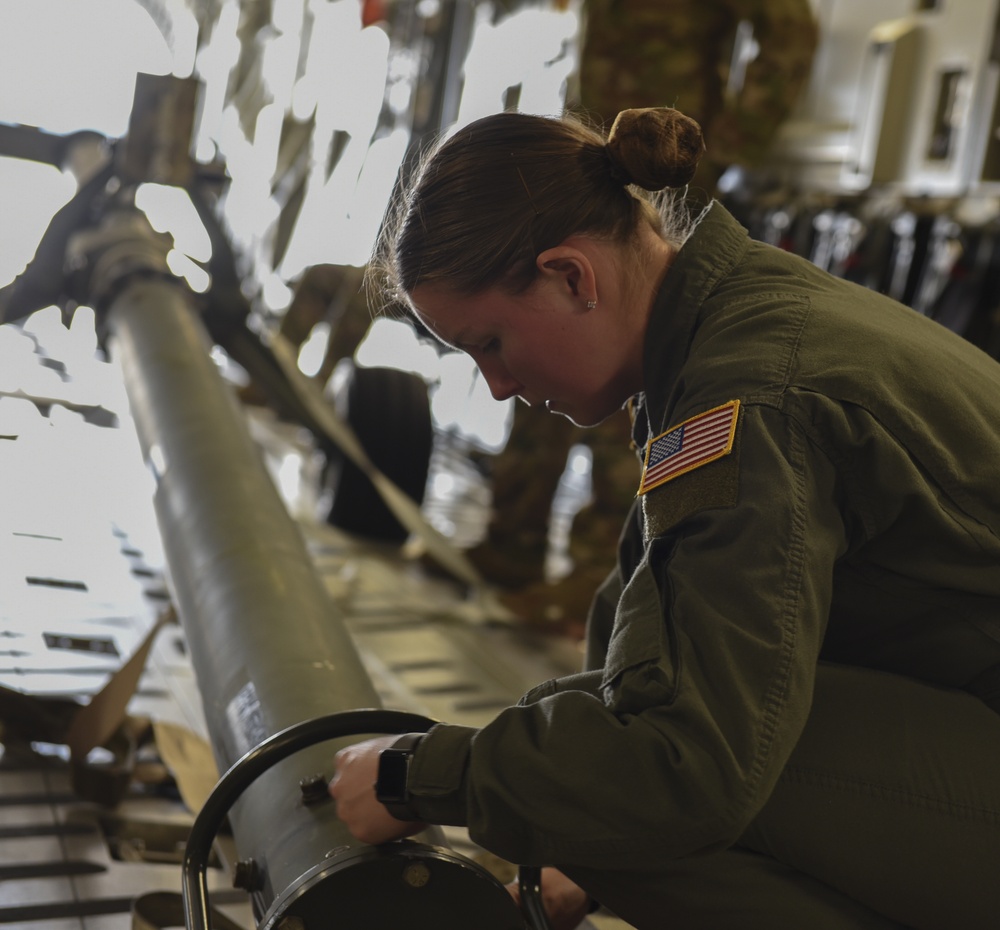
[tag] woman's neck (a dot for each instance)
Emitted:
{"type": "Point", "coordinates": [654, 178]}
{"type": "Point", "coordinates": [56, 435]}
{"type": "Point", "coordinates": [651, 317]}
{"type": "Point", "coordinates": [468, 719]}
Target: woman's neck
{"type": "Point", "coordinates": [652, 257]}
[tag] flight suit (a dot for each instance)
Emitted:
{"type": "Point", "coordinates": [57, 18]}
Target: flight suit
{"type": "Point", "coordinates": [791, 714]}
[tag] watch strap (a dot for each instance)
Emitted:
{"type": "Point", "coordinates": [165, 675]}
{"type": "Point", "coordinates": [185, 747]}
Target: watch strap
{"type": "Point", "coordinates": [390, 787]}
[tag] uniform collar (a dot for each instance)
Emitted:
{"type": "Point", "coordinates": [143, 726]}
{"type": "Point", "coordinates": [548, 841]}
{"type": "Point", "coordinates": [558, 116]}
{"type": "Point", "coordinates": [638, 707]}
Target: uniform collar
{"type": "Point", "coordinates": [709, 254]}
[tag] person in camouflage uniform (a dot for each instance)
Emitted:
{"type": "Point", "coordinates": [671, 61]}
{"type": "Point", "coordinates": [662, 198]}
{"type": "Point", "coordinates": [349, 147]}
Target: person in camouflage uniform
{"type": "Point", "coordinates": [331, 294]}
{"type": "Point", "coordinates": [648, 53]}
{"type": "Point", "coordinates": [523, 478]}
{"type": "Point", "coordinates": [639, 53]}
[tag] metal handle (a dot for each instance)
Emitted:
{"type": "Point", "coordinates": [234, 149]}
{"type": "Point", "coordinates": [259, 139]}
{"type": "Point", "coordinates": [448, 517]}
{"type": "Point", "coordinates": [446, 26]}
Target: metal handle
{"type": "Point", "coordinates": [194, 884]}
{"type": "Point", "coordinates": [208, 822]}
{"type": "Point", "coordinates": [529, 882]}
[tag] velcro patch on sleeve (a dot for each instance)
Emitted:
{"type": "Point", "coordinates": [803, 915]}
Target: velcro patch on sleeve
{"type": "Point", "coordinates": [689, 445]}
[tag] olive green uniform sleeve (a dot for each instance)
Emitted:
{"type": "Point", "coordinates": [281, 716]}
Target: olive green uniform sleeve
{"type": "Point", "coordinates": [673, 747]}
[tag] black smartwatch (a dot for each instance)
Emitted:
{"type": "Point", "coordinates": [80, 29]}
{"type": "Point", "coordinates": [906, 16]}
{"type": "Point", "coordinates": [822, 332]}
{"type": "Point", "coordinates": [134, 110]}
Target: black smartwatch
{"type": "Point", "coordinates": [393, 767]}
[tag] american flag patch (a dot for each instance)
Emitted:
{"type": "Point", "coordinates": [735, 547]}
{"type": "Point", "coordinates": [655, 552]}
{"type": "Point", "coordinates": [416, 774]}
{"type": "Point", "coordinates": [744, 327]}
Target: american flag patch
{"type": "Point", "coordinates": [695, 442]}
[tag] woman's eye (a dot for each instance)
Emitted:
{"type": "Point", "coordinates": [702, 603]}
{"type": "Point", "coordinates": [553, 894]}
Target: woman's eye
{"type": "Point", "coordinates": [492, 346]}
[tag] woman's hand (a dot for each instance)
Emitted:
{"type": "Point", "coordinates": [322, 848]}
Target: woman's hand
{"type": "Point", "coordinates": [566, 903]}
{"type": "Point", "coordinates": [353, 788]}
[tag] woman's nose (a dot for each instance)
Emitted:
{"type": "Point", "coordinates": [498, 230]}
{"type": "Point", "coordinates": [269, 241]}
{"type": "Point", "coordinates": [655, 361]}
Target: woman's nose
{"type": "Point", "coordinates": [502, 386]}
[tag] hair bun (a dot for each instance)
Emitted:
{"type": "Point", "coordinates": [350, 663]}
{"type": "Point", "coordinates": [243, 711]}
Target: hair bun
{"type": "Point", "coordinates": [655, 147]}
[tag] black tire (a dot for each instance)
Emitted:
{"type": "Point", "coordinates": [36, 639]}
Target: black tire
{"type": "Point", "coordinates": [390, 412]}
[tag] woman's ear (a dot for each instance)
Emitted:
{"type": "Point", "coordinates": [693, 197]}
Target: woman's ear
{"type": "Point", "coordinates": [571, 270]}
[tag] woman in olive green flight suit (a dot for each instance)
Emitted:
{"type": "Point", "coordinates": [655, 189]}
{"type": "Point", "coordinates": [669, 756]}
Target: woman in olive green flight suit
{"type": "Point", "coordinates": [791, 713]}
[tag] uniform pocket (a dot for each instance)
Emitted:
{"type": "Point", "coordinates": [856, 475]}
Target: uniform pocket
{"type": "Point", "coordinates": [642, 662]}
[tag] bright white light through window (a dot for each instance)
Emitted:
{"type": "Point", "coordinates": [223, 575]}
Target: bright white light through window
{"type": "Point", "coordinates": [67, 65]}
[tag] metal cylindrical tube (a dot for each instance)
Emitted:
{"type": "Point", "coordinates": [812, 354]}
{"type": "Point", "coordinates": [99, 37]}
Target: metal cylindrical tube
{"type": "Point", "coordinates": [267, 647]}
{"type": "Point", "coordinates": [268, 650]}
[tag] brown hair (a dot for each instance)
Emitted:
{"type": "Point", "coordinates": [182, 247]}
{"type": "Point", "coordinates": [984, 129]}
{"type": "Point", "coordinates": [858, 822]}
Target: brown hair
{"type": "Point", "coordinates": [503, 189]}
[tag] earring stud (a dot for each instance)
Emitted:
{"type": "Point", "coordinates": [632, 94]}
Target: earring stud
{"type": "Point", "coordinates": [591, 304]}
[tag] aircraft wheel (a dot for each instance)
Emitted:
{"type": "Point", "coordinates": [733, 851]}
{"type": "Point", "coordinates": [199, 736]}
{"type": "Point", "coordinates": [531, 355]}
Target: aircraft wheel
{"type": "Point", "coordinates": [389, 411]}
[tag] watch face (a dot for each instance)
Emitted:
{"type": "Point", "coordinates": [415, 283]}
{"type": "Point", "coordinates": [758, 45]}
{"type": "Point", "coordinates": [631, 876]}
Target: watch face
{"type": "Point", "coordinates": [391, 782]}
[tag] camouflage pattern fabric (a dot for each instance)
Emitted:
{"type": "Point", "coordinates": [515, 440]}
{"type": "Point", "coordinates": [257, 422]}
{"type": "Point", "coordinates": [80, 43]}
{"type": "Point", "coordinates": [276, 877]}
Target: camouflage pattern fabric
{"type": "Point", "coordinates": [523, 481]}
{"type": "Point", "coordinates": [645, 53]}
{"type": "Point", "coordinates": [562, 606]}
{"type": "Point", "coordinates": [332, 294]}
